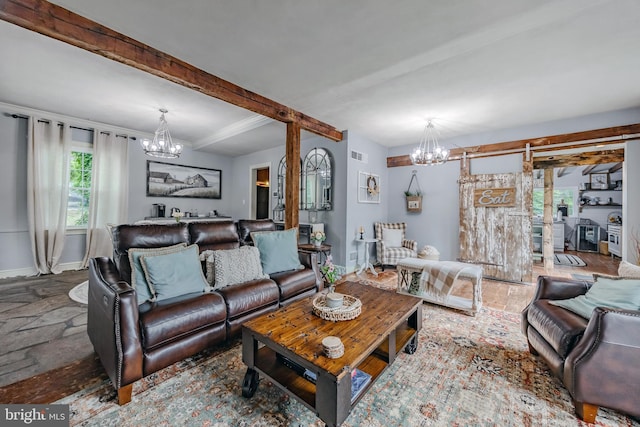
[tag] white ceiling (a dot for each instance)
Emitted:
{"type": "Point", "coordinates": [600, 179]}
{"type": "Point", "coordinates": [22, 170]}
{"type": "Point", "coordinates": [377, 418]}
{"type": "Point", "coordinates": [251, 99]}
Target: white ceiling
{"type": "Point", "coordinates": [377, 67]}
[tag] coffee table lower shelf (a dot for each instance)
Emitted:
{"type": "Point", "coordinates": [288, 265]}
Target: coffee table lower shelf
{"type": "Point", "coordinates": [267, 363]}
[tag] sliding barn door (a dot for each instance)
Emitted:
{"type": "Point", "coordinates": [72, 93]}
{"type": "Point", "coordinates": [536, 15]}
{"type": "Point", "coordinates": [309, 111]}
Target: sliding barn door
{"type": "Point", "coordinates": [495, 225]}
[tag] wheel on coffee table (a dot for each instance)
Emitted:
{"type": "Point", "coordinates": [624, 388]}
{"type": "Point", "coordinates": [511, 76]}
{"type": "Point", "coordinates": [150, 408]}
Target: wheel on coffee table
{"type": "Point", "coordinates": [412, 346]}
{"type": "Point", "coordinates": [250, 383]}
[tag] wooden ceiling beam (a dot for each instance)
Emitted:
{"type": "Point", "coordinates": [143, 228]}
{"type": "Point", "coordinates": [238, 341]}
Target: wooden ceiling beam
{"type": "Point", "coordinates": [590, 138]}
{"type": "Point", "coordinates": [579, 159]}
{"type": "Point", "coordinates": [588, 169]}
{"type": "Point", "coordinates": [61, 24]}
{"type": "Point", "coordinates": [615, 167]}
{"type": "Point", "coordinates": [561, 172]}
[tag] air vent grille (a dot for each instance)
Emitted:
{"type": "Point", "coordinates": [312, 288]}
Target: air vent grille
{"type": "Point", "coordinates": [361, 157]}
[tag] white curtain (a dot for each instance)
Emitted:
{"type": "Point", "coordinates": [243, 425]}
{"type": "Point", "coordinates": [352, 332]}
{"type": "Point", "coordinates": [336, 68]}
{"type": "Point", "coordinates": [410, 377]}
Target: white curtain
{"type": "Point", "coordinates": [109, 192]}
{"type": "Point", "coordinates": [47, 191]}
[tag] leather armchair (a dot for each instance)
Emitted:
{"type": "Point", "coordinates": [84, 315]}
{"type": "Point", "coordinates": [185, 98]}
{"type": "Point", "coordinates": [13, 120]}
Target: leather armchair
{"type": "Point", "coordinates": [596, 359]}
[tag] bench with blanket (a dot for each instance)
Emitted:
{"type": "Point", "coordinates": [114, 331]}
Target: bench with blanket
{"type": "Point", "coordinates": [433, 281]}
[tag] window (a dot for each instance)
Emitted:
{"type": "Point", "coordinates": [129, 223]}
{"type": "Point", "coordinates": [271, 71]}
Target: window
{"type": "Point", "coordinates": [80, 165]}
{"type": "Point", "coordinates": [559, 194]}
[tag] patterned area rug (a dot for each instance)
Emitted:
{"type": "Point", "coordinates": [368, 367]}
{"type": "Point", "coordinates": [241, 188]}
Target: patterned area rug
{"type": "Point", "coordinates": [467, 371]}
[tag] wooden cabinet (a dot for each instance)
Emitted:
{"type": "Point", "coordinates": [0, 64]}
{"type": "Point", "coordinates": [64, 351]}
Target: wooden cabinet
{"type": "Point", "coordinates": [558, 239]}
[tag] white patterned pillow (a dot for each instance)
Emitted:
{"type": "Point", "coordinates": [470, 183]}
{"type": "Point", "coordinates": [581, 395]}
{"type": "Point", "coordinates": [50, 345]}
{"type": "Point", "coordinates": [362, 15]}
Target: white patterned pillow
{"type": "Point", "coordinates": [626, 269]}
{"type": "Point", "coordinates": [231, 266]}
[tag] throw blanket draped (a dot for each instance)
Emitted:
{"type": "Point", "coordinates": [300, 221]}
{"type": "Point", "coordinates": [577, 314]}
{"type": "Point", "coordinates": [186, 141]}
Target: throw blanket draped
{"type": "Point", "coordinates": [437, 278]}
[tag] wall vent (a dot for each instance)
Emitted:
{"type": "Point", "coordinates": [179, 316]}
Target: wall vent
{"type": "Point", "coordinates": [361, 157]}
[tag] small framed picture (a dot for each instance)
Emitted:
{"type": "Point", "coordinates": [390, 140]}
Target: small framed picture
{"type": "Point", "coordinates": [600, 181]}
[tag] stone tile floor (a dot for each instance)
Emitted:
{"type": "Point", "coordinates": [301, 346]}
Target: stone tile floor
{"type": "Point", "coordinates": [40, 326]}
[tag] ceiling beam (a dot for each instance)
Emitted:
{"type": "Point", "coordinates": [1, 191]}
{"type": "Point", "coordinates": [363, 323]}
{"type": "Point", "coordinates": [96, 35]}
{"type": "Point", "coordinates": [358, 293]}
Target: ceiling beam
{"type": "Point", "coordinates": [615, 167]}
{"type": "Point", "coordinates": [588, 169]}
{"type": "Point", "coordinates": [62, 24]}
{"type": "Point", "coordinates": [561, 172]}
{"type": "Point", "coordinates": [590, 138]}
{"type": "Point", "coordinates": [579, 159]}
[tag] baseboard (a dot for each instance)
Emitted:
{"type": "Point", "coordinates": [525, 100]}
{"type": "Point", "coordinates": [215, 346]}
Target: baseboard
{"type": "Point", "coordinates": [31, 271]}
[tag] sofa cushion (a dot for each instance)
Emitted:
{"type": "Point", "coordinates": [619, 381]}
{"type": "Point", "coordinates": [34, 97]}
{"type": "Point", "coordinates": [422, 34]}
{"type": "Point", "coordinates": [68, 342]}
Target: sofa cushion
{"type": "Point", "coordinates": [231, 266]}
{"type": "Point", "coordinates": [278, 250]}
{"type": "Point", "coordinates": [247, 226]}
{"type": "Point", "coordinates": [214, 235]}
{"type": "Point", "coordinates": [174, 318]}
{"type": "Point", "coordinates": [294, 282]}
{"type": "Point", "coordinates": [612, 292]}
{"type": "Point", "coordinates": [628, 270]}
{"type": "Point", "coordinates": [561, 328]}
{"type": "Point", "coordinates": [244, 298]}
{"type": "Point", "coordinates": [174, 274]}
{"type": "Point", "coordinates": [138, 278]}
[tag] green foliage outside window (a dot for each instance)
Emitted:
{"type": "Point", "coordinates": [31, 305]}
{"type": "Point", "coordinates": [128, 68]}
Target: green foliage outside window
{"type": "Point", "coordinates": [79, 189]}
{"type": "Point", "coordinates": [558, 194]}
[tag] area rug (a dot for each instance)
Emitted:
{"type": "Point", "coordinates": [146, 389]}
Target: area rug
{"type": "Point", "coordinates": [571, 260]}
{"type": "Point", "coordinates": [80, 293]}
{"type": "Point", "coordinates": [467, 371]}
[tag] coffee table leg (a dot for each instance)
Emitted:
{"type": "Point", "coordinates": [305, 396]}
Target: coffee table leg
{"type": "Point", "coordinates": [250, 383]}
{"type": "Point", "coordinates": [412, 346]}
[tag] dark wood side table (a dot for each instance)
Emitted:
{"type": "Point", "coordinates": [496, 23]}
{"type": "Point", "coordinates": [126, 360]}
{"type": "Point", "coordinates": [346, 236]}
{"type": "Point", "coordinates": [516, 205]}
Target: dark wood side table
{"type": "Point", "coordinates": [321, 250]}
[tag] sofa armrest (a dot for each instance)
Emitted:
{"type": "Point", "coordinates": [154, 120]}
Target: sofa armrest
{"type": "Point", "coordinates": [310, 260]}
{"type": "Point", "coordinates": [112, 323]}
{"type": "Point", "coordinates": [601, 369]}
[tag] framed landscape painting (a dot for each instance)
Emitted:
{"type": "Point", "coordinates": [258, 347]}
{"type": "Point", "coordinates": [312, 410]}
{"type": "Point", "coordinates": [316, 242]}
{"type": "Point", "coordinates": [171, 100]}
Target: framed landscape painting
{"type": "Point", "coordinates": [171, 180]}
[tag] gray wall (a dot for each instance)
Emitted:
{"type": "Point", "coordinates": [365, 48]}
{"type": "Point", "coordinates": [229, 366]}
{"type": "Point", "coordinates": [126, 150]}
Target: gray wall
{"type": "Point", "coordinates": [631, 201]}
{"type": "Point", "coordinates": [436, 225]}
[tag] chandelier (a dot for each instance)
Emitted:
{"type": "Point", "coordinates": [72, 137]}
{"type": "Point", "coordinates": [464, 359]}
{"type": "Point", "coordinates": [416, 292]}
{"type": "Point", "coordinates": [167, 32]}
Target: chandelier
{"type": "Point", "coordinates": [429, 152]}
{"type": "Point", "coordinates": [162, 144]}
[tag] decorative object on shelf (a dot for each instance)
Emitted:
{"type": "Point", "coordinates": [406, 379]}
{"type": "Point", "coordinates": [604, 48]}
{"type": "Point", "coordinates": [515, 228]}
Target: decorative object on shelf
{"type": "Point", "coordinates": [599, 181]}
{"type": "Point", "coordinates": [177, 215]}
{"type": "Point", "coordinates": [429, 152]}
{"type": "Point", "coordinates": [368, 187]}
{"type": "Point", "coordinates": [350, 309]}
{"type": "Point", "coordinates": [162, 144]}
{"type": "Point", "coordinates": [333, 347]}
{"type": "Point", "coordinates": [414, 198]}
{"type": "Point", "coordinates": [317, 237]}
{"type": "Point", "coordinates": [361, 231]}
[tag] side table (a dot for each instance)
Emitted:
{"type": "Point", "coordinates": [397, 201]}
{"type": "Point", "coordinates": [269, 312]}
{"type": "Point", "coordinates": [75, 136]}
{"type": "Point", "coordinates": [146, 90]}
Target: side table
{"type": "Point", "coordinates": [322, 250]}
{"type": "Point", "coordinates": [367, 262]}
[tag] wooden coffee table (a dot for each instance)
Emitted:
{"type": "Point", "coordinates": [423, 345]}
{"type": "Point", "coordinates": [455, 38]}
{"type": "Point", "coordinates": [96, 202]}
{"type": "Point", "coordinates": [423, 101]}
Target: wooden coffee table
{"type": "Point", "coordinates": [389, 323]}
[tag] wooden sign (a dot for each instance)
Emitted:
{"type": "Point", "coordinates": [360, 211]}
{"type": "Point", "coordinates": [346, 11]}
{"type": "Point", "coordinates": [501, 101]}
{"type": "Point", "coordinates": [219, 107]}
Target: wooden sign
{"type": "Point", "coordinates": [494, 197]}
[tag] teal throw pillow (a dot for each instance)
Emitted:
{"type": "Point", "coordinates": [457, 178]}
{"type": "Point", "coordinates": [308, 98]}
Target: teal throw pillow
{"type": "Point", "coordinates": [138, 279]}
{"type": "Point", "coordinates": [175, 274]}
{"type": "Point", "coordinates": [278, 250]}
{"type": "Point", "coordinates": [612, 292]}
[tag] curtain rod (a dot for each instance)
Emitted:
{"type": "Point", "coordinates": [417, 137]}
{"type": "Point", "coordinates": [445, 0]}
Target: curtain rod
{"type": "Point", "coordinates": [19, 116]}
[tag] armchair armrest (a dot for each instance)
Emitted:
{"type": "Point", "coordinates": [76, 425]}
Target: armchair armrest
{"type": "Point", "coordinates": [601, 368]}
{"type": "Point", "coordinates": [410, 244]}
{"type": "Point", "coordinates": [112, 323]}
{"type": "Point", "coordinates": [554, 288]}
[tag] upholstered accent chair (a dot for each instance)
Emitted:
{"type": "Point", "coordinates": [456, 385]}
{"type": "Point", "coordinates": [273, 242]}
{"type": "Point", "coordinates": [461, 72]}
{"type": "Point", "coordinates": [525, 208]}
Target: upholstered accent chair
{"type": "Point", "coordinates": [391, 243]}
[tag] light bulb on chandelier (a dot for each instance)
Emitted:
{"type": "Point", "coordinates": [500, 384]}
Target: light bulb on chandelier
{"type": "Point", "coordinates": [429, 152]}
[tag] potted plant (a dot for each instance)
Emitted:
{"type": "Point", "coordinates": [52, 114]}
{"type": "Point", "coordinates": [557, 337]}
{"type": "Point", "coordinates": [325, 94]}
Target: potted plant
{"type": "Point", "coordinates": [317, 237]}
{"type": "Point", "coordinates": [414, 201]}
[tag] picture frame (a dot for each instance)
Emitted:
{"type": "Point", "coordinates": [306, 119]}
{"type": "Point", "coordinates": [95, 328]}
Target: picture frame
{"type": "Point", "coordinates": [368, 187]}
{"type": "Point", "coordinates": [599, 181]}
{"type": "Point", "coordinates": [173, 180]}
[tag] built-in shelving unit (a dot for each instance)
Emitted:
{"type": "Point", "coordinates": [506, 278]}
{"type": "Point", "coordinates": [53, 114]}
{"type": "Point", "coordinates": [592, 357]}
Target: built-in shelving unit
{"type": "Point", "coordinates": [598, 205]}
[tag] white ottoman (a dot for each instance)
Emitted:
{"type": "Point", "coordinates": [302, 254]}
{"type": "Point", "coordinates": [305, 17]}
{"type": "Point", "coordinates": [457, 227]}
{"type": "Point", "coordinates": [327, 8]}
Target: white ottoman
{"type": "Point", "coordinates": [411, 284]}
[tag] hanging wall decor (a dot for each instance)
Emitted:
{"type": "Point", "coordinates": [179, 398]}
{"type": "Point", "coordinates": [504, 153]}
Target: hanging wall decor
{"type": "Point", "coordinates": [414, 197]}
{"type": "Point", "coordinates": [368, 188]}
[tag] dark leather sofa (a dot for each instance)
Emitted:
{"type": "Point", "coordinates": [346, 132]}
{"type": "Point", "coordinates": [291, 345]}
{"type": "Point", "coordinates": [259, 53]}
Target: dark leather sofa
{"type": "Point", "coordinates": [595, 359]}
{"type": "Point", "coordinates": [134, 341]}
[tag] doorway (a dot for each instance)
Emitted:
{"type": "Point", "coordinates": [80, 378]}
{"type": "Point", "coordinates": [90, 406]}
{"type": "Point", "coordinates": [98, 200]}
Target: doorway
{"type": "Point", "coordinates": [260, 191]}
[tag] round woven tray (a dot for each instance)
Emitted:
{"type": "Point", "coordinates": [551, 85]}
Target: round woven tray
{"type": "Point", "coordinates": [350, 309]}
